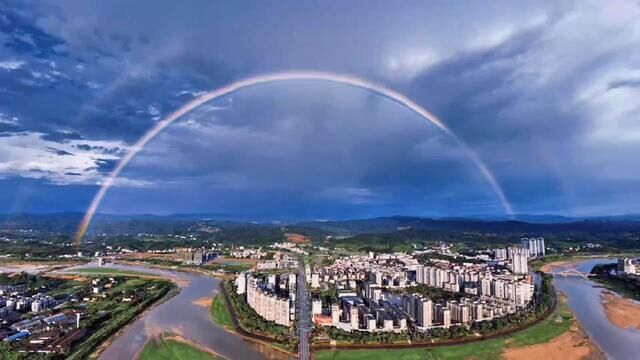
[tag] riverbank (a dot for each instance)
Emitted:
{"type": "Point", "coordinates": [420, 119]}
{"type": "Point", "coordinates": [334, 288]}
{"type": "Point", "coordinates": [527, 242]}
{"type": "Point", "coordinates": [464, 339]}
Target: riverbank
{"type": "Point", "coordinates": [622, 312]}
{"type": "Point", "coordinates": [552, 262]}
{"type": "Point", "coordinates": [573, 344]}
{"type": "Point", "coordinates": [220, 313]}
{"type": "Point", "coordinates": [105, 344]}
{"type": "Point", "coordinates": [156, 291]}
{"type": "Point", "coordinates": [550, 266]}
{"type": "Point", "coordinates": [107, 271]}
{"type": "Point", "coordinates": [619, 286]}
{"type": "Point", "coordinates": [35, 267]}
{"type": "Point", "coordinates": [186, 269]}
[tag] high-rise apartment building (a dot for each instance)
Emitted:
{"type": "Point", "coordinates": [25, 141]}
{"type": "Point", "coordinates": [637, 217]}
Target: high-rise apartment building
{"type": "Point", "coordinates": [267, 304]}
{"type": "Point", "coordinates": [519, 258]}
{"type": "Point", "coordinates": [535, 246]}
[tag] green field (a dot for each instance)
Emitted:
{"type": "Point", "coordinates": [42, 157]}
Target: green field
{"type": "Point", "coordinates": [229, 266]}
{"type": "Point", "coordinates": [110, 271]}
{"type": "Point", "coordinates": [553, 326]}
{"type": "Point", "coordinates": [220, 313]}
{"type": "Point", "coordinates": [173, 350]}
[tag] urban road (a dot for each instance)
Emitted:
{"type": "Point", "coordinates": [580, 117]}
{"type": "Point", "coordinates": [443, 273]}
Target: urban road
{"type": "Point", "coordinates": [304, 322]}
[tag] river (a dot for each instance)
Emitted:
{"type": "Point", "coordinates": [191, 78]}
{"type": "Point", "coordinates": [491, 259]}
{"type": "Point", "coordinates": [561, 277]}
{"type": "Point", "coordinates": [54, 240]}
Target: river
{"type": "Point", "coordinates": [584, 297]}
{"type": "Point", "coordinates": [181, 315]}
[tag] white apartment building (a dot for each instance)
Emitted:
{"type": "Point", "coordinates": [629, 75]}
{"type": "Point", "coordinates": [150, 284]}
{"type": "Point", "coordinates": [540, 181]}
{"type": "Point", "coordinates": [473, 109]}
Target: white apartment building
{"type": "Point", "coordinates": [519, 260]}
{"type": "Point", "coordinates": [535, 246]}
{"type": "Point", "coordinates": [267, 304]}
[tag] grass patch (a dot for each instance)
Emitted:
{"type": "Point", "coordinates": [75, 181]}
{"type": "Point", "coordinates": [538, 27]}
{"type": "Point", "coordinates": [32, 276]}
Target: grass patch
{"type": "Point", "coordinates": [229, 266]}
{"type": "Point", "coordinates": [551, 327]}
{"type": "Point", "coordinates": [220, 313]}
{"type": "Point", "coordinates": [170, 349]}
{"type": "Point", "coordinates": [110, 271]}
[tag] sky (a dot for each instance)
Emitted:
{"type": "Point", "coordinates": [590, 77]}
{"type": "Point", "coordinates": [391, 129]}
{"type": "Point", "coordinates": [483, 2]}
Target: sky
{"type": "Point", "coordinates": [545, 93]}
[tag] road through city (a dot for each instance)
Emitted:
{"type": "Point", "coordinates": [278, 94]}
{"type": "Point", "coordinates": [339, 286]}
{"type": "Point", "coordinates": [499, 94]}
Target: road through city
{"type": "Point", "coordinates": [304, 322]}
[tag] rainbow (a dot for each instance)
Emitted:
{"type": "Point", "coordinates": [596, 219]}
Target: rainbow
{"type": "Point", "coordinates": [276, 77]}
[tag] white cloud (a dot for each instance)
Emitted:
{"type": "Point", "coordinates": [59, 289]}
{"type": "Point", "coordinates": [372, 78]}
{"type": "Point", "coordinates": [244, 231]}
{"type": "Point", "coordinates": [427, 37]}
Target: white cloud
{"type": "Point", "coordinates": [192, 93]}
{"type": "Point", "coordinates": [496, 34]}
{"type": "Point", "coordinates": [350, 195]}
{"type": "Point", "coordinates": [8, 120]}
{"type": "Point", "coordinates": [72, 162]}
{"type": "Point", "coordinates": [411, 62]}
{"type": "Point", "coordinates": [154, 111]}
{"type": "Point", "coordinates": [128, 182]}
{"type": "Point", "coordinates": [10, 65]}
{"type": "Point", "coordinates": [94, 85]}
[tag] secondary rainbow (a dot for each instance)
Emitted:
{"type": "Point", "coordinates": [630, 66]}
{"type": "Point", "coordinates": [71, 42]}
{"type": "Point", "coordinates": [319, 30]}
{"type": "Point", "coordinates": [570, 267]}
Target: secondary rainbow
{"type": "Point", "coordinates": [276, 77]}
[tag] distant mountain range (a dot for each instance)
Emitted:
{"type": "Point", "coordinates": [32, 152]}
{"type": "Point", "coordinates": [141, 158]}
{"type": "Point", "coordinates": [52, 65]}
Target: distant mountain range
{"type": "Point", "coordinates": [556, 219]}
{"type": "Point", "coordinates": [67, 223]}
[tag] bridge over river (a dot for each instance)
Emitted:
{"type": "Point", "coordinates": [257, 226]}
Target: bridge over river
{"type": "Point", "coordinates": [573, 272]}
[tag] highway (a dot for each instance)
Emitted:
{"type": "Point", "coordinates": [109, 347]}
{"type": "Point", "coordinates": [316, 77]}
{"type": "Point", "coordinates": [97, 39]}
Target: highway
{"type": "Point", "coordinates": [304, 321]}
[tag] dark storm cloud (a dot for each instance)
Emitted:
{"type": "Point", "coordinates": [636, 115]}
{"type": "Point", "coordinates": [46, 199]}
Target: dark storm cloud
{"type": "Point", "coordinates": [60, 136]}
{"type": "Point", "coordinates": [9, 129]}
{"type": "Point", "coordinates": [103, 149]}
{"type": "Point", "coordinates": [106, 165]}
{"type": "Point", "coordinates": [632, 83]}
{"type": "Point", "coordinates": [23, 36]}
{"type": "Point", "coordinates": [33, 195]}
{"type": "Point", "coordinates": [362, 155]}
{"type": "Point", "coordinates": [58, 151]}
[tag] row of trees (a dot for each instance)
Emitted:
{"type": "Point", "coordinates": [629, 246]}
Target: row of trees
{"type": "Point", "coordinates": [361, 337]}
{"type": "Point", "coordinates": [388, 337]}
{"type": "Point", "coordinates": [627, 284]}
{"type": "Point", "coordinates": [545, 292]}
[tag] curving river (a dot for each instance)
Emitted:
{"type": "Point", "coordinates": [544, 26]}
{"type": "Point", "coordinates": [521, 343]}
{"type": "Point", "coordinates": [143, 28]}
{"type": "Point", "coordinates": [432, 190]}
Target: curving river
{"type": "Point", "coordinates": [182, 315]}
{"type": "Point", "coordinates": [585, 301]}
